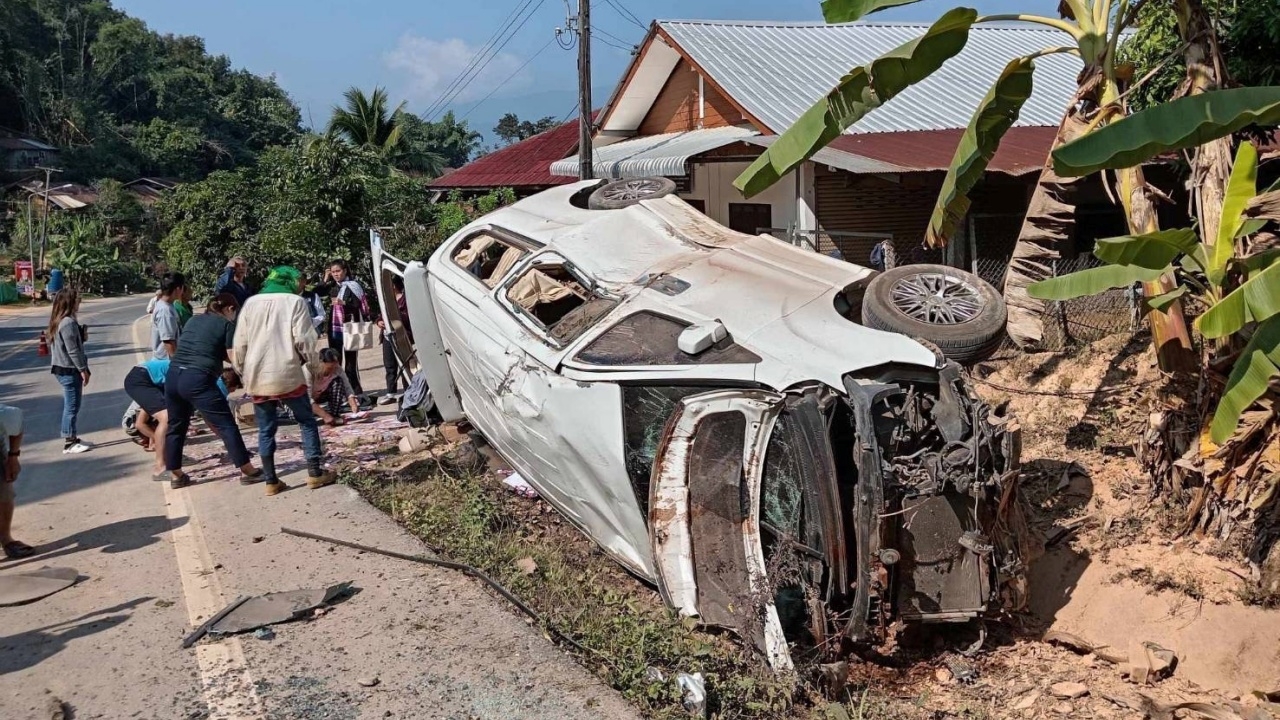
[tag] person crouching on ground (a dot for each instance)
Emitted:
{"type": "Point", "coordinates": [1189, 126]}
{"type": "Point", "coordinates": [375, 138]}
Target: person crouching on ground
{"type": "Point", "coordinates": [69, 364]}
{"type": "Point", "coordinates": [192, 385]}
{"type": "Point", "coordinates": [275, 351]}
{"type": "Point", "coordinates": [144, 385]}
{"type": "Point", "coordinates": [330, 390]}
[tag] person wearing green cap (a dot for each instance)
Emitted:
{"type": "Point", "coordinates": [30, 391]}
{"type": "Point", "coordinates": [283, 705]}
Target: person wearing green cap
{"type": "Point", "coordinates": [275, 352]}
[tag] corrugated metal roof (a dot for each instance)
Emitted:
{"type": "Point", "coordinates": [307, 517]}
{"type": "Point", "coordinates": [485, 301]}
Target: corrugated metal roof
{"type": "Point", "coordinates": [15, 143]}
{"type": "Point", "coordinates": [776, 71]}
{"type": "Point", "coordinates": [664, 155]}
{"type": "Point", "coordinates": [1022, 150]}
{"type": "Point", "coordinates": [836, 158]}
{"type": "Point", "coordinates": [521, 165]}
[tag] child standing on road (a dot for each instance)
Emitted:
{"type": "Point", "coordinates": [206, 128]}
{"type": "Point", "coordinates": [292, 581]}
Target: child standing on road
{"type": "Point", "coordinates": [69, 364]}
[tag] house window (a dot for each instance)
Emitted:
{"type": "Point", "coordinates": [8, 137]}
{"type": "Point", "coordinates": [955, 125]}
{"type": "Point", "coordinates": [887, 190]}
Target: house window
{"type": "Point", "coordinates": [699, 205]}
{"type": "Point", "coordinates": [684, 183]}
{"type": "Point", "coordinates": [750, 218]}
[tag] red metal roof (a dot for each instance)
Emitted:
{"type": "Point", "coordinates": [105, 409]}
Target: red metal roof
{"type": "Point", "coordinates": [1022, 150]}
{"type": "Point", "coordinates": [524, 164]}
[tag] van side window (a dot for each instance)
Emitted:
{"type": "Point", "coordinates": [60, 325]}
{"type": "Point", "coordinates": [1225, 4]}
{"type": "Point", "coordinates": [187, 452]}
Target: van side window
{"type": "Point", "coordinates": [559, 303]}
{"type": "Point", "coordinates": [488, 258]}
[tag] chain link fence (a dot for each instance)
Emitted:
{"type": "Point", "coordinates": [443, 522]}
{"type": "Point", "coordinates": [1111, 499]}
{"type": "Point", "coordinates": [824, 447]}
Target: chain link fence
{"type": "Point", "coordinates": [1067, 322]}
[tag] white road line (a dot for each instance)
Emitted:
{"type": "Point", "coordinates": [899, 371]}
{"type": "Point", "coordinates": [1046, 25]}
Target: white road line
{"type": "Point", "coordinates": [228, 688]}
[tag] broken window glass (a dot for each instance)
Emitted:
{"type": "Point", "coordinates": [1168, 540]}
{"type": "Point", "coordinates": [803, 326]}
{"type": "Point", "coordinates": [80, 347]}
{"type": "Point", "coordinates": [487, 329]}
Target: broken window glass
{"type": "Point", "coordinates": [559, 301]}
{"type": "Point", "coordinates": [488, 258]}
{"type": "Point", "coordinates": [647, 338]}
{"type": "Point", "coordinates": [646, 409]}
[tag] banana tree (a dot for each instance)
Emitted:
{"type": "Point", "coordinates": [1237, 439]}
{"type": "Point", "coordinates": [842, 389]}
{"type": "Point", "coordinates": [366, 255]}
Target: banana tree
{"type": "Point", "coordinates": [1091, 30]}
{"type": "Point", "coordinates": [1231, 269]}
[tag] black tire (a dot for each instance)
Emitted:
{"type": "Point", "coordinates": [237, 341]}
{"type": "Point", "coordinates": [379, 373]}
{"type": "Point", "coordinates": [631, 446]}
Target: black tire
{"type": "Point", "coordinates": [625, 193]}
{"type": "Point", "coordinates": [966, 341]}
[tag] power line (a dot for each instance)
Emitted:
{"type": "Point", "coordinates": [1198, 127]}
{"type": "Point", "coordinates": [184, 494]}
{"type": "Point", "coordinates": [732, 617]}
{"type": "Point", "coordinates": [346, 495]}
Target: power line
{"type": "Point", "coordinates": [619, 42]}
{"type": "Point", "coordinates": [508, 79]}
{"type": "Point", "coordinates": [626, 14]}
{"type": "Point", "coordinates": [511, 30]}
{"type": "Point", "coordinates": [494, 52]}
{"type": "Point", "coordinates": [475, 60]}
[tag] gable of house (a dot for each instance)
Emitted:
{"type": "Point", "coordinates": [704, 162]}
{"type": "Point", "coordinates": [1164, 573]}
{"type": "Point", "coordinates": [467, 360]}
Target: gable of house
{"type": "Point", "coordinates": [686, 102]}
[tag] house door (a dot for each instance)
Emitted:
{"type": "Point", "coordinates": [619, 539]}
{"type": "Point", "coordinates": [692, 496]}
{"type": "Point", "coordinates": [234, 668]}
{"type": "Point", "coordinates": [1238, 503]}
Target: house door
{"type": "Point", "coordinates": [750, 218]}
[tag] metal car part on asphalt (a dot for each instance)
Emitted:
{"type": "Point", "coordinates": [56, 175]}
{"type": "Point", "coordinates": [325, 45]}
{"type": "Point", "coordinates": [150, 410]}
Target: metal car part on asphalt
{"type": "Point", "coordinates": [30, 585]}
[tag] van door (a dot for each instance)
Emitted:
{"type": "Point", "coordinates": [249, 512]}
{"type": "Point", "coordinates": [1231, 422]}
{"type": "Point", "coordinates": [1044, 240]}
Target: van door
{"type": "Point", "coordinates": [704, 515]}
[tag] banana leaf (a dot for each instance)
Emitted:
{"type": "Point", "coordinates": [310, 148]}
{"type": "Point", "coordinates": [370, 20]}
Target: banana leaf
{"type": "Point", "coordinates": [1258, 364]}
{"type": "Point", "coordinates": [858, 93]}
{"type": "Point", "coordinates": [1241, 188]}
{"type": "Point", "coordinates": [1254, 301]}
{"type": "Point", "coordinates": [997, 112]}
{"type": "Point", "coordinates": [1153, 250]}
{"type": "Point", "coordinates": [842, 11]}
{"type": "Point", "coordinates": [1092, 281]}
{"type": "Point", "coordinates": [1162, 301]}
{"type": "Point", "coordinates": [1168, 127]}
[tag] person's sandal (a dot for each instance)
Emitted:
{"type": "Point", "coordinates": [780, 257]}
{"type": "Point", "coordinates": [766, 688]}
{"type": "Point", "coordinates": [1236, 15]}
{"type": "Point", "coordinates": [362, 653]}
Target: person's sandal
{"type": "Point", "coordinates": [16, 550]}
{"type": "Point", "coordinates": [180, 482]}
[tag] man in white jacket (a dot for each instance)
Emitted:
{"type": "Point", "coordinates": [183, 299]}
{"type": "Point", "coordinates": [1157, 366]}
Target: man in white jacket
{"type": "Point", "coordinates": [276, 354]}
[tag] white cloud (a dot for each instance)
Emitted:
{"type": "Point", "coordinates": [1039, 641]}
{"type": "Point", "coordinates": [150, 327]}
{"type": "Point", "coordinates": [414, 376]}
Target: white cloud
{"type": "Point", "coordinates": [430, 66]}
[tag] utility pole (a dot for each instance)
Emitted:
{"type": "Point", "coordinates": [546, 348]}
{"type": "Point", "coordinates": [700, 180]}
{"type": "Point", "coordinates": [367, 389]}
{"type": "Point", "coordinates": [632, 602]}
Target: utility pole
{"type": "Point", "coordinates": [585, 170]}
{"type": "Point", "coordinates": [44, 214]}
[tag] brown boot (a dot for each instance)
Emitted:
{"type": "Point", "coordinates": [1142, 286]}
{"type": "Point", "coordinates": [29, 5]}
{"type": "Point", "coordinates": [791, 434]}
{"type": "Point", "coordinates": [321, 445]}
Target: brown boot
{"type": "Point", "coordinates": [324, 478]}
{"type": "Point", "coordinates": [275, 488]}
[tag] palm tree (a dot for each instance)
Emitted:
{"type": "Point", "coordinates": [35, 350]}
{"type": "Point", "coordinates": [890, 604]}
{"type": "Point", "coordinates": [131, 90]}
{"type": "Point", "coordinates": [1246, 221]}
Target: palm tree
{"type": "Point", "coordinates": [365, 121]}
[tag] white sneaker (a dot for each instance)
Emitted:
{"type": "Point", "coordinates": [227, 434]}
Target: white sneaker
{"type": "Point", "coordinates": [76, 448]}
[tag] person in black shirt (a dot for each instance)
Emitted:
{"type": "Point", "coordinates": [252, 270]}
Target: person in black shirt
{"type": "Point", "coordinates": [192, 384]}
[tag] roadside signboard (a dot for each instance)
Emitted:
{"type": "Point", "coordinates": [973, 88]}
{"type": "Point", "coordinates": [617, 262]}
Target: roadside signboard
{"type": "Point", "coordinates": [24, 278]}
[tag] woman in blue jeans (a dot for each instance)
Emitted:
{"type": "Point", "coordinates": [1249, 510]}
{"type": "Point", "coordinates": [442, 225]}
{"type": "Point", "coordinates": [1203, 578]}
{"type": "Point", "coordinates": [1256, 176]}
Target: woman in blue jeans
{"type": "Point", "coordinates": [192, 384]}
{"type": "Point", "coordinates": [70, 365]}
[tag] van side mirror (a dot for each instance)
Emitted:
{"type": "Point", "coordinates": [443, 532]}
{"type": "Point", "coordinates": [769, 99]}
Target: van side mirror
{"type": "Point", "coordinates": [697, 338]}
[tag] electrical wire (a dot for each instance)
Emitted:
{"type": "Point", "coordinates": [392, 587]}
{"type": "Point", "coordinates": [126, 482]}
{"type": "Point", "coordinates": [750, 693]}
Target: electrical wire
{"type": "Point", "coordinates": [619, 42]}
{"type": "Point", "coordinates": [626, 14]}
{"type": "Point", "coordinates": [475, 60]}
{"type": "Point", "coordinates": [493, 54]}
{"type": "Point", "coordinates": [508, 79]}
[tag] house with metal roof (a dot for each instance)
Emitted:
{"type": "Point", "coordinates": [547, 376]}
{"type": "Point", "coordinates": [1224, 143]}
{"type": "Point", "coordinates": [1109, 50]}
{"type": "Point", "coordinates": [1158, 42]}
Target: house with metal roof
{"type": "Point", "coordinates": [700, 101]}
{"type": "Point", "coordinates": [23, 154]}
{"type": "Point", "coordinates": [524, 166]}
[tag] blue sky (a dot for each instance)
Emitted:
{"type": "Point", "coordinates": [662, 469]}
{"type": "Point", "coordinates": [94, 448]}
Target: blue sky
{"type": "Point", "coordinates": [415, 49]}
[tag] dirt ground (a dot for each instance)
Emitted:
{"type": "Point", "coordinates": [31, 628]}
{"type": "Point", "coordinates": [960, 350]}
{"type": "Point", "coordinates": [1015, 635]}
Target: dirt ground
{"type": "Point", "coordinates": [1112, 576]}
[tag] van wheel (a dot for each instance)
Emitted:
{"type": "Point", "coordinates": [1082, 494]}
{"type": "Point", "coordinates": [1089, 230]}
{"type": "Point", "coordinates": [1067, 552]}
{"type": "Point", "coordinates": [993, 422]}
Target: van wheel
{"type": "Point", "coordinates": [625, 193]}
{"type": "Point", "coordinates": [956, 310]}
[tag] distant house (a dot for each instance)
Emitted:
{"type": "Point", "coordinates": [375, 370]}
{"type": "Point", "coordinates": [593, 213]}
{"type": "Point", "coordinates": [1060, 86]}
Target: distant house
{"type": "Point", "coordinates": [61, 196]}
{"type": "Point", "coordinates": [149, 189]}
{"type": "Point", "coordinates": [22, 154]}
{"type": "Point", "coordinates": [701, 100]}
{"type": "Point", "coordinates": [525, 166]}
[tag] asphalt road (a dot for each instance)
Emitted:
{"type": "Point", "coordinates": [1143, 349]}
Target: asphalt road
{"type": "Point", "coordinates": [155, 562]}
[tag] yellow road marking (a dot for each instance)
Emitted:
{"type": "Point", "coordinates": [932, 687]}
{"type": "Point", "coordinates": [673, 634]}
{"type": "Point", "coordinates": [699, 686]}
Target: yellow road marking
{"type": "Point", "coordinates": [224, 673]}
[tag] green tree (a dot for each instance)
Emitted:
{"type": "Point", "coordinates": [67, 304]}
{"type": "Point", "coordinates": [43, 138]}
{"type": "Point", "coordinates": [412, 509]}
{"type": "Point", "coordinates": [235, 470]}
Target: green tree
{"type": "Point", "coordinates": [453, 139]}
{"type": "Point", "coordinates": [1248, 32]}
{"type": "Point", "coordinates": [366, 122]}
{"type": "Point", "coordinates": [512, 129]}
